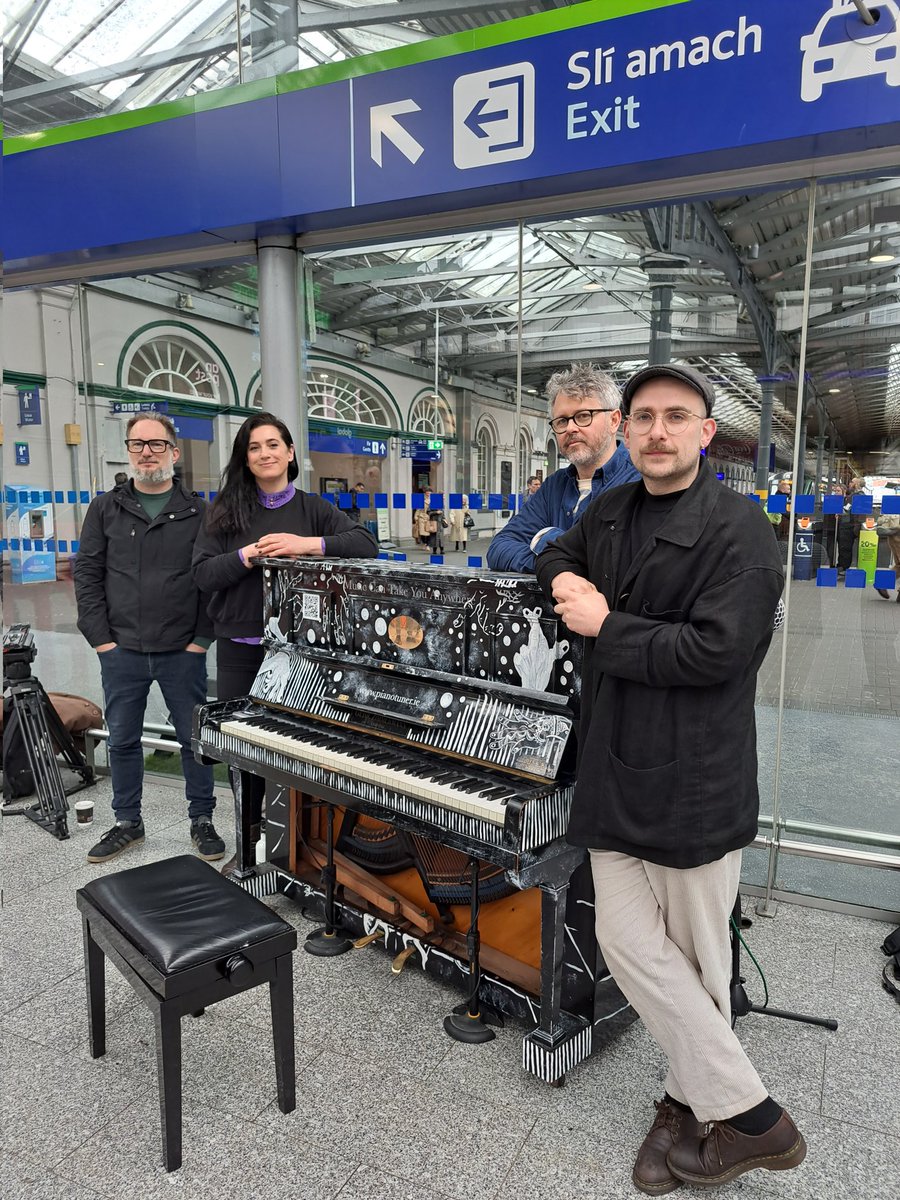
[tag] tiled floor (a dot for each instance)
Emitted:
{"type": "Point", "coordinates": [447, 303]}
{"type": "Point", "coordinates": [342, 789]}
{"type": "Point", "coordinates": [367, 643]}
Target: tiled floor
{"type": "Point", "coordinates": [388, 1108]}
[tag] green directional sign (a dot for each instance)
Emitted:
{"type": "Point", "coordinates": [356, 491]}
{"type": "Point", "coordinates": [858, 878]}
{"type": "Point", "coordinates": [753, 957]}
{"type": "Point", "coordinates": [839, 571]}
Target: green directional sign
{"type": "Point", "coordinates": [436, 444]}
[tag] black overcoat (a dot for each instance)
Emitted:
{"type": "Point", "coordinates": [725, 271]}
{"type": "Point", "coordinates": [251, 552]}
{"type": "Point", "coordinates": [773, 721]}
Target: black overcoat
{"type": "Point", "coordinates": [667, 747]}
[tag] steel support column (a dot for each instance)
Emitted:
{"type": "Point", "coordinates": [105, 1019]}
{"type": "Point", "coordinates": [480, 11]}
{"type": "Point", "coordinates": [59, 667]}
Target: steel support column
{"type": "Point", "coordinates": [280, 316]}
{"type": "Point", "coordinates": [660, 350]}
{"type": "Point", "coordinates": [766, 399]}
{"type": "Point", "coordinates": [800, 464]}
{"type": "Point", "coordinates": [820, 464]}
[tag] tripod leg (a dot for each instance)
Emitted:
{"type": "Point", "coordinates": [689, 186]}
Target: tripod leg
{"type": "Point", "coordinates": [64, 742]}
{"type": "Point", "coordinates": [29, 703]}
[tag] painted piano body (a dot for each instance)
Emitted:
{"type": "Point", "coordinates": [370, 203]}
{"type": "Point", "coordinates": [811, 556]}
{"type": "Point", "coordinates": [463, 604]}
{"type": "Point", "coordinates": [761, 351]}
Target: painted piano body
{"type": "Point", "coordinates": [439, 702]}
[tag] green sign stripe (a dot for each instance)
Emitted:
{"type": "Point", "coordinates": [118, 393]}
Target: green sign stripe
{"type": "Point", "coordinates": [516, 30]}
{"type": "Point", "coordinates": [151, 115]}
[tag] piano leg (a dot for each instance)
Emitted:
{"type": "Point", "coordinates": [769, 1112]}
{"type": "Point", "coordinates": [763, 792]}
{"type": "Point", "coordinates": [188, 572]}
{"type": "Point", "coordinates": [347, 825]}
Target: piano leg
{"type": "Point", "coordinates": [560, 1040]}
{"type": "Point", "coordinates": [328, 941]}
{"type": "Point", "coordinates": [245, 842]}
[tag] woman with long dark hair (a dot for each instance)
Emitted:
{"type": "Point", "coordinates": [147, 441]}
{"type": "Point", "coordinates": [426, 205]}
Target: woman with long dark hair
{"type": "Point", "coordinates": [258, 512]}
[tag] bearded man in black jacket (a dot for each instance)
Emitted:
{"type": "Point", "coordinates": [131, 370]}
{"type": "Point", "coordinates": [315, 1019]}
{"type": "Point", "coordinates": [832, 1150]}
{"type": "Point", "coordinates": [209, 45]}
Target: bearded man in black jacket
{"type": "Point", "coordinates": [142, 612]}
{"type": "Point", "coordinates": [674, 582]}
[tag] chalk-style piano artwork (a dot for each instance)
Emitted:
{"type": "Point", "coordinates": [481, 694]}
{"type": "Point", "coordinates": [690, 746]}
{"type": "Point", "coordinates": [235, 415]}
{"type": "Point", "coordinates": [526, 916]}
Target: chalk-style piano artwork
{"type": "Point", "coordinates": [431, 710]}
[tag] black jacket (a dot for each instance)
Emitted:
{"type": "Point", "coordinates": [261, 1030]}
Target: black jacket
{"type": "Point", "coordinates": [133, 580]}
{"type": "Point", "coordinates": [667, 748]}
{"type": "Point", "coordinates": [236, 593]}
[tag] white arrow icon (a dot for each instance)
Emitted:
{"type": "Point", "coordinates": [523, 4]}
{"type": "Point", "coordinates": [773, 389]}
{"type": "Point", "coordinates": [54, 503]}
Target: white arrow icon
{"type": "Point", "coordinates": [383, 123]}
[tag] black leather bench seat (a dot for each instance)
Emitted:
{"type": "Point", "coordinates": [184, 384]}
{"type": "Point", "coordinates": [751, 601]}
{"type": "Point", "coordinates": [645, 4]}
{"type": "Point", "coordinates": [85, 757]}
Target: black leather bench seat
{"type": "Point", "coordinates": [181, 913]}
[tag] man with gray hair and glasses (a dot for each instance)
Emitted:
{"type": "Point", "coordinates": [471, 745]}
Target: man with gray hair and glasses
{"type": "Point", "coordinates": [584, 414]}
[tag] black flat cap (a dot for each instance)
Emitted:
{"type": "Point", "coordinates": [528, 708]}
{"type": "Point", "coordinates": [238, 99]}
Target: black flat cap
{"type": "Point", "coordinates": [679, 371]}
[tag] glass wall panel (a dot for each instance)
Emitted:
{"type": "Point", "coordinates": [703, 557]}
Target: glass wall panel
{"type": "Point", "coordinates": [414, 352]}
{"type": "Point", "coordinates": [841, 714]}
{"type": "Point", "coordinates": [78, 362]}
{"type": "Point", "coordinates": [425, 365]}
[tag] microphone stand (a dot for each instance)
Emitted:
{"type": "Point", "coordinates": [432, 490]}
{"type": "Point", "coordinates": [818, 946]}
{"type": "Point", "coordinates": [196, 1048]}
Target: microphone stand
{"type": "Point", "coordinates": [740, 1001]}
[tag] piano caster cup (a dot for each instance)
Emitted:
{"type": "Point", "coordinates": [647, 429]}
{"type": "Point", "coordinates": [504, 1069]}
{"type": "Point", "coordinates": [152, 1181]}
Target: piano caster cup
{"type": "Point", "coordinates": [463, 1027]}
{"type": "Point", "coordinates": [327, 945]}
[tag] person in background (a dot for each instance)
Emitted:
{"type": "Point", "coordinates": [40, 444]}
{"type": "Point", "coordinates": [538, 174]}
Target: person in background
{"type": "Point", "coordinates": [888, 527]}
{"type": "Point", "coordinates": [258, 513]}
{"type": "Point", "coordinates": [429, 525]}
{"type": "Point", "coordinates": [532, 486]}
{"type": "Point", "coordinates": [358, 490]}
{"type": "Point", "coordinates": [461, 521]}
{"type": "Point", "coordinates": [120, 478]}
{"type": "Point", "coordinates": [584, 415]}
{"type": "Point", "coordinates": [831, 523]}
{"type": "Point", "coordinates": [674, 581]}
{"type": "Point", "coordinates": [782, 521]}
{"type": "Point", "coordinates": [142, 612]}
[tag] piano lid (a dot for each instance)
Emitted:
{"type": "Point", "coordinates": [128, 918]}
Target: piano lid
{"type": "Point", "coordinates": [483, 625]}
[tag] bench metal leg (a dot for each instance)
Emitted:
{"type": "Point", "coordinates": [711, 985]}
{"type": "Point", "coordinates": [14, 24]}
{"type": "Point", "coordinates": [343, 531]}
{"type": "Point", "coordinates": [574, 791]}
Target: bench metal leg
{"type": "Point", "coordinates": [168, 1062]}
{"type": "Point", "coordinates": [281, 994]}
{"type": "Point", "coordinates": [95, 978]}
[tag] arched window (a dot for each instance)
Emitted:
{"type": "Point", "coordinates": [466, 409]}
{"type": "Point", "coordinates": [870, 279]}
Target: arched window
{"type": "Point", "coordinates": [254, 392]}
{"type": "Point", "coordinates": [552, 455]}
{"type": "Point", "coordinates": [176, 365]}
{"type": "Point", "coordinates": [332, 396]}
{"type": "Point", "coordinates": [524, 444]}
{"type": "Point", "coordinates": [484, 465]}
{"type": "Point", "coordinates": [431, 415]}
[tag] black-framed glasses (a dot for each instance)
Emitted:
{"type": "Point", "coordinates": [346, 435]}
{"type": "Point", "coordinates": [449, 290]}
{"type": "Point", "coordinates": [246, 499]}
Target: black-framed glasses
{"type": "Point", "coordinates": [156, 445]}
{"type": "Point", "coordinates": [675, 420]}
{"type": "Point", "coordinates": [582, 418]}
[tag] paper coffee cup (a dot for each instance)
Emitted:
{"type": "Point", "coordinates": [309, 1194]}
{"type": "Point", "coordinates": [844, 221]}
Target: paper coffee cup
{"type": "Point", "coordinates": [84, 811]}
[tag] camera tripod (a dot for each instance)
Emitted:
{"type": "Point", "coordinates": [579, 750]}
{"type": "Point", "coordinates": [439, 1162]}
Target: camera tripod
{"type": "Point", "coordinates": [740, 1001]}
{"type": "Point", "coordinates": [31, 714]}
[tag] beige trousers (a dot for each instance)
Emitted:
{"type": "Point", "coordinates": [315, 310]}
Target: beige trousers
{"type": "Point", "coordinates": [665, 936]}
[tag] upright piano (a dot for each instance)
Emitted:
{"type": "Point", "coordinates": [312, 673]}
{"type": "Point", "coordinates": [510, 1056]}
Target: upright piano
{"type": "Point", "coordinates": [432, 708]}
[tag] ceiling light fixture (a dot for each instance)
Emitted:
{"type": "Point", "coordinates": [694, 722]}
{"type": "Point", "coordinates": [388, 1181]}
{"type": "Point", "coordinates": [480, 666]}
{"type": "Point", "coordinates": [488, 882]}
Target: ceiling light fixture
{"type": "Point", "coordinates": [881, 253]}
{"type": "Point", "coordinates": [834, 391]}
{"type": "Point", "coordinates": [592, 287]}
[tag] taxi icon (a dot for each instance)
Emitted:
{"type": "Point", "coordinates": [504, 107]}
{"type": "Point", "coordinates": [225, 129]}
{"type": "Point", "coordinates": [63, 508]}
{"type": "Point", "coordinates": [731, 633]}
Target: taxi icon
{"type": "Point", "coordinates": [843, 47]}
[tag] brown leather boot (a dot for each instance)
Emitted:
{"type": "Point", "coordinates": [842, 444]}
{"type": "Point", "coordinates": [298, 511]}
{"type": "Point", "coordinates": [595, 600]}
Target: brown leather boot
{"type": "Point", "coordinates": [725, 1152]}
{"type": "Point", "coordinates": [672, 1123]}
{"type": "Point", "coordinates": [231, 866]}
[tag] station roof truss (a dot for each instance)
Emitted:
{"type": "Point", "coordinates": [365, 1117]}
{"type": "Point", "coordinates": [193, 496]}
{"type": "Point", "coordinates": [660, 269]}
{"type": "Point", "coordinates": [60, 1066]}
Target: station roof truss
{"type": "Point", "coordinates": [735, 265]}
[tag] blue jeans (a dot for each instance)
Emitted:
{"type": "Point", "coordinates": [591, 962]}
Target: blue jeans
{"type": "Point", "coordinates": [127, 676]}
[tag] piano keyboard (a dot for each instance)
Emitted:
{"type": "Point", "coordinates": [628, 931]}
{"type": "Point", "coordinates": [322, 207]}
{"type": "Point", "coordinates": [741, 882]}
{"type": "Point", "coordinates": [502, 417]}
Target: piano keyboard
{"type": "Point", "coordinates": [472, 802]}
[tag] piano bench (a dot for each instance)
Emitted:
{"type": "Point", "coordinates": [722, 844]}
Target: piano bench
{"type": "Point", "coordinates": [184, 937]}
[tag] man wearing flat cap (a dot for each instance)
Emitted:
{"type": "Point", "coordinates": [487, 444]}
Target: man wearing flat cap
{"type": "Point", "coordinates": [674, 581]}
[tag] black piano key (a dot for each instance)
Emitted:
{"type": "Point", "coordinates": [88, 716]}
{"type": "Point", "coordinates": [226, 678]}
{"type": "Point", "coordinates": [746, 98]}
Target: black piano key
{"type": "Point", "coordinates": [472, 785]}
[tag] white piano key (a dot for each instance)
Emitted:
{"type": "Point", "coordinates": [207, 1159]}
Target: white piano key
{"type": "Point", "coordinates": [355, 766]}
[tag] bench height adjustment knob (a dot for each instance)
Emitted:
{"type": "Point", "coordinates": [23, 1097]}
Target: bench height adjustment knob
{"type": "Point", "coordinates": [238, 969]}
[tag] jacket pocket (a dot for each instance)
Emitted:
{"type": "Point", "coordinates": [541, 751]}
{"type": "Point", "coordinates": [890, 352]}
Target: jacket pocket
{"type": "Point", "coordinates": [641, 804]}
{"type": "Point", "coordinates": [673, 615]}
